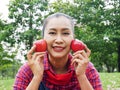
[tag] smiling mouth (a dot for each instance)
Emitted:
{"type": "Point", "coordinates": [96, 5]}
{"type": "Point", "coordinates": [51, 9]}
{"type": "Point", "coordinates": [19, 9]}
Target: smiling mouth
{"type": "Point", "coordinates": [58, 49]}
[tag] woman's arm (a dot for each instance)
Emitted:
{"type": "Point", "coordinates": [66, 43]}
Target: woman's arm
{"type": "Point", "coordinates": [34, 84]}
{"type": "Point", "coordinates": [80, 62]}
{"type": "Point", "coordinates": [87, 75]}
{"type": "Point", "coordinates": [35, 62]}
{"type": "Point", "coordinates": [84, 83]}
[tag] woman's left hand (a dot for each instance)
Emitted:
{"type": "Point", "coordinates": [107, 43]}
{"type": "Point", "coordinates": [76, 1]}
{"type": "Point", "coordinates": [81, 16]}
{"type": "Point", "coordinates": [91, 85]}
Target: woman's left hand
{"type": "Point", "coordinates": [80, 61]}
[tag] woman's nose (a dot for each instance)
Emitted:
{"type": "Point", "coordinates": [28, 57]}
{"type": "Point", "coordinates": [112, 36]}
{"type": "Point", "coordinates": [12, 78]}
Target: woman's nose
{"type": "Point", "coordinates": [58, 39]}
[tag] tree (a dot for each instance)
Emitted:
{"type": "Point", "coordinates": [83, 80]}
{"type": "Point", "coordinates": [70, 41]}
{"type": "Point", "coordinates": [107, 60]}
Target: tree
{"type": "Point", "coordinates": [26, 20]}
{"type": "Point", "coordinates": [27, 17]}
{"type": "Point", "coordinates": [96, 25]}
{"type": "Point", "coordinates": [112, 26]}
{"type": "Point", "coordinates": [91, 26]}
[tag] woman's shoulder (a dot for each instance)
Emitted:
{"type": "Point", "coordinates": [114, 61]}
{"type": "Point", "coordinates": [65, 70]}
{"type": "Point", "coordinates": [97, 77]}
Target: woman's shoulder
{"type": "Point", "coordinates": [90, 64]}
{"type": "Point", "coordinates": [91, 70]}
{"type": "Point", "coordinates": [25, 69]}
{"type": "Point", "coordinates": [91, 67]}
{"type": "Point", "coordinates": [25, 66]}
{"type": "Point", "coordinates": [23, 77]}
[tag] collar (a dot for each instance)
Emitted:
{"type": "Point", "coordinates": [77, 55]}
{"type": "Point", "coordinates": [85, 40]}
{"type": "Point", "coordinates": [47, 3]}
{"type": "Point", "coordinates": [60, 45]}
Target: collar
{"type": "Point", "coordinates": [47, 65]}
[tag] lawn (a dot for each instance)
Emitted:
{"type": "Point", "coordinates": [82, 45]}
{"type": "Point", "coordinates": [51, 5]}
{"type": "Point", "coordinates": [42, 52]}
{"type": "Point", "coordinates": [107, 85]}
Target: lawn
{"type": "Point", "coordinates": [108, 80]}
{"type": "Point", "coordinates": [6, 84]}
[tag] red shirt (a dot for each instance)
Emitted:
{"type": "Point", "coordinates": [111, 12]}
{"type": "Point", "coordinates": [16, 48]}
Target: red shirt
{"type": "Point", "coordinates": [25, 75]}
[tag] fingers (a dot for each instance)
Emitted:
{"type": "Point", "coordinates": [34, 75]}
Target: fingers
{"type": "Point", "coordinates": [87, 50]}
{"type": "Point", "coordinates": [81, 53]}
{"type": "Point", "coordinates": [78, 60]}
{"type": "Point", "coordinates": [37, 54]}
{"type": "Point", "coordinates": [30, 52]}
{"type": "Point", "coordinates": [39, 58]}
{"type": "Point", "coordinates": [34, 56]}
{"type": "Point", "coordinates": [80, 57]}
{"type": "Point", "coordinates": [75, 62]}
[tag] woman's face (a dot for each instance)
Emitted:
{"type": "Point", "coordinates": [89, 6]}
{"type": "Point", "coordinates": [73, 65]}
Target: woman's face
{"type": "Point", "coordinates": [58, 35]}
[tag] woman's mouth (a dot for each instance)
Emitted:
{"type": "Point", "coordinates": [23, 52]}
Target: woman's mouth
{"type": "Point", "coordinates": [58, 49]}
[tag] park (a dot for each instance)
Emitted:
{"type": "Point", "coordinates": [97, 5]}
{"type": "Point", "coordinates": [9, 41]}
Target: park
{"type": "Point", "coordinates": [97, 24]}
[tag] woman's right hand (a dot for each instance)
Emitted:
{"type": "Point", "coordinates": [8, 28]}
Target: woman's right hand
{"type": "Point", "coordinates": [35, 61]}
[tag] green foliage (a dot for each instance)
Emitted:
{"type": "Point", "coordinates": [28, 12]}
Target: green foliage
{"type": "Point", "coordinates": [27, 17]}
{"type": "Point", "coordinates": [97, 27]}
{"type": "Point", "coordinates": [7, 62]}
{"type": "Point", "coordinates": [105, 56]}
{"type": "Point", "coordinates": [6, 32]}
{"type": "Point", "coordinates": [9, 70]}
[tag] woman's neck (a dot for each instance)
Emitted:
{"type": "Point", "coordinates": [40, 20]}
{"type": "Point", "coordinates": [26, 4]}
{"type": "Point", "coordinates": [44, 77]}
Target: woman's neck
{"type": "Point", "coordinates": [59, 65]}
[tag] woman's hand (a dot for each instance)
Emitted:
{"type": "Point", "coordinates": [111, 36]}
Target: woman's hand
{"type": "Point", "coordinates": [35, 61]}
{"type": "Point", "coordinates": [80, 61]}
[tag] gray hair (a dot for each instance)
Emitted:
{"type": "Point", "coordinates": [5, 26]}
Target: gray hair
{"type": "Point", "coordinates": [57, 15]}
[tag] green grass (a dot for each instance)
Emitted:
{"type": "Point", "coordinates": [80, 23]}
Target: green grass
{"type": "Point", "coordinates": [108, 80]}
{"type": "Point", "coordinates": [6, 84]}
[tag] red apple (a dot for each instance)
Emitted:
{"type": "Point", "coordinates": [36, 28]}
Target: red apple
{"type": "Point", "coordinates": [41, 45]}
{"type": "Point", "coordinates": [77, 45]}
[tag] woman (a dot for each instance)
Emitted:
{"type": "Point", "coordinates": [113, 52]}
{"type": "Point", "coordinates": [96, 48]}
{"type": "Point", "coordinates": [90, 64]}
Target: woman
{"type": "Point", "coordinates": [57, 69]}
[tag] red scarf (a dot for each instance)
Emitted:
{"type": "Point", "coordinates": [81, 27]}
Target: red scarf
{"type": "Point", "coordinates": [59, 79]}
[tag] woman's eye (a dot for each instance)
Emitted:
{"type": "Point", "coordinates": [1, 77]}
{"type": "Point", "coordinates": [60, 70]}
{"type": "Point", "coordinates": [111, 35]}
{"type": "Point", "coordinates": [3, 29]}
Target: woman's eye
{"type": "Point", "coordinates": [66, 33]}
{"type": "Point", "coordinates": [52, 33]}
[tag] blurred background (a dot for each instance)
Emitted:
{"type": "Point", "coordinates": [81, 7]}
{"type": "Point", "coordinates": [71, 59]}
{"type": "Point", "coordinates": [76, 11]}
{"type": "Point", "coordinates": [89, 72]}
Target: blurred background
{"type": "Point", "coordinates": [97, 23]}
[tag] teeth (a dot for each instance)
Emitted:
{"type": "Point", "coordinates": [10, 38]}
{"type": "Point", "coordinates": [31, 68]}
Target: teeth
{"type": "Point", "coordinates": [58, 48]}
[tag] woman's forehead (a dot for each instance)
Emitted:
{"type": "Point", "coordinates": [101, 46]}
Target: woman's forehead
{"type": "Point", "coordinates": [59, 21]}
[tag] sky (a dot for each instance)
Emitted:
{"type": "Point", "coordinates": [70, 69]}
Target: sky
{"type": "Point", "coordinates": [4, 9]}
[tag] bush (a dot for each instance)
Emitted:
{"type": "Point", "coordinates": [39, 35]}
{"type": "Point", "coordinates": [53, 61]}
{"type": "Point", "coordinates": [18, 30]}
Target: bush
{"type": "Point", "coordinates": [8, 70]}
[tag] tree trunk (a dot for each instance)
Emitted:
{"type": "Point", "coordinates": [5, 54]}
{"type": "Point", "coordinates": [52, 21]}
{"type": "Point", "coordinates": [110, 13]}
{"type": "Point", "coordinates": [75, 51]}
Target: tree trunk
{"type": "Point", "coordinates": [31, 26]}
{"type": "Point", "coordinates": [119, 58]}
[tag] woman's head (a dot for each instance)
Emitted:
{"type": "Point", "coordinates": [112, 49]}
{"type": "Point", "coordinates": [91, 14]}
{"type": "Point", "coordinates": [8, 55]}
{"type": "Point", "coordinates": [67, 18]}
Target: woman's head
{"type": "Point", "coordinates": [58, 31]}
{"type": "Point", "coordinates": [57, 15]}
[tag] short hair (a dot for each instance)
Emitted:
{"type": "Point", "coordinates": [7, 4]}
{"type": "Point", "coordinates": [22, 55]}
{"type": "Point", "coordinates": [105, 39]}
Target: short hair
{"type": "Point", "coordinates": [57, 15]}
